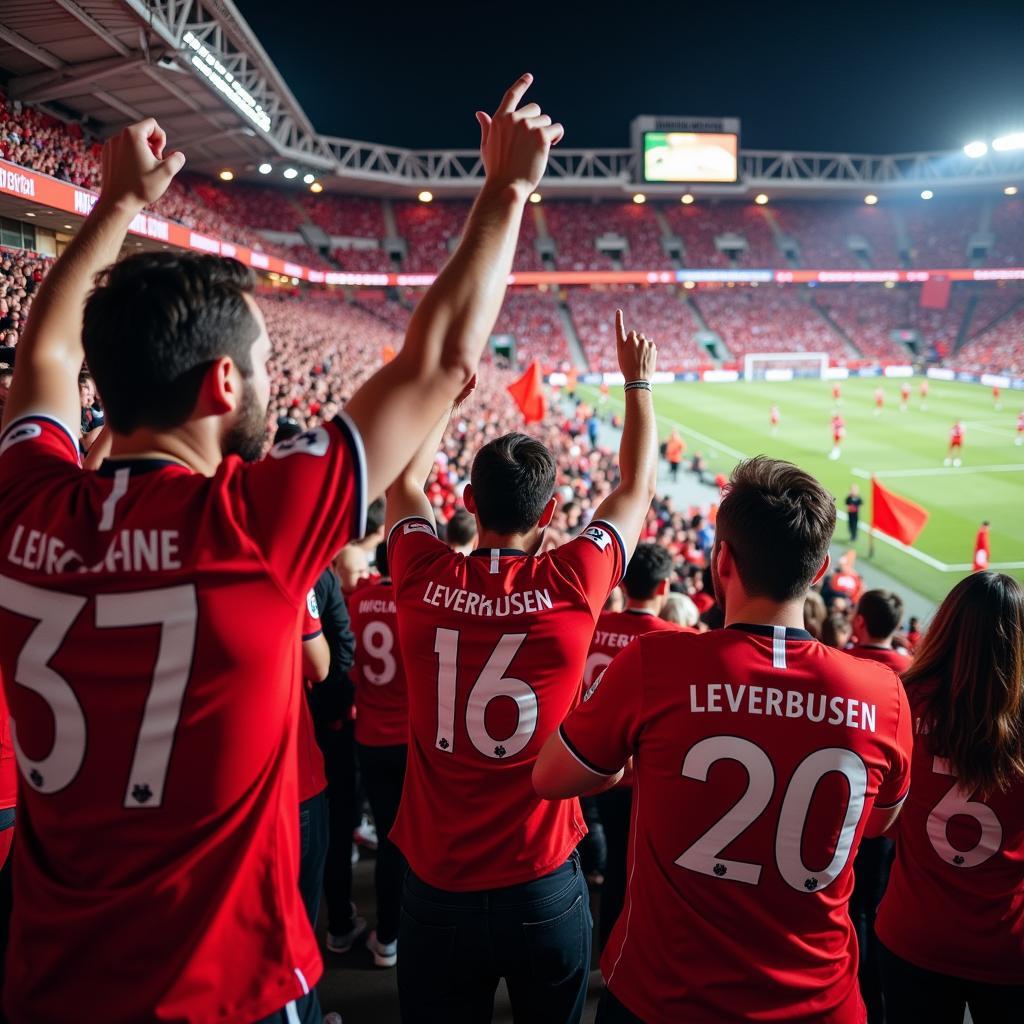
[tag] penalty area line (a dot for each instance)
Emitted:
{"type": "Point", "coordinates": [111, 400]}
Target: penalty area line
{"type": "Point", "coordinates": [1009, 467]}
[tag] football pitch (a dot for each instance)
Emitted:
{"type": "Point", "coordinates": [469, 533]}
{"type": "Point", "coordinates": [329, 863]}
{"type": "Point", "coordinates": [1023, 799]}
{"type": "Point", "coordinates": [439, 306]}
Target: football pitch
{"type": "Point", "coordinates": [906, 450]}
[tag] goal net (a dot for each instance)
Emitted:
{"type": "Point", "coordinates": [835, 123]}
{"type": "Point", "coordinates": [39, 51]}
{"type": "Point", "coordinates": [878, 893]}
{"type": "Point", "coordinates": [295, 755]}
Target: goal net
{"type": "Point", "coordinates": [784, 365]}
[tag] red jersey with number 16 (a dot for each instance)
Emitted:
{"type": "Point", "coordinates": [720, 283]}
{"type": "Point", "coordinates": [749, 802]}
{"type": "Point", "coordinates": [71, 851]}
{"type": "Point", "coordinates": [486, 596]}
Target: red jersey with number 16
{"type": "Point", "coordinates": [955, 900]}
{"type": "Point", "coordinates": [758, 756]}
{"type": "Point", "coordinates": [149, 649]}
{"type": "Point", "coordinates": [494, 645]}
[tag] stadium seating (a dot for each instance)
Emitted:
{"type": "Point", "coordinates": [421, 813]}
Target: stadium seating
{"type": "Point", "coordinates": [701, 223]}
{"type": "Point", "coordinates": [254, 206]}
{"type": "Point", "coordinates": [574, 229]}
{"type": "Point", "coordinates": [997, 347]}
{"type": "Point", "coordinates": [428, 229]}
{"type": "Point", "coordinates": [42, 143]}
{"type": "Point", "coordinates": [532, 317]}
{"type": "Point", "coordinates": [938, 231]}
{"type": "Point", "coordinates": [1008, 228]}
{"type": "Point", "coordinates": [20, 274]}
{"type": "Point", "coordinates": [344, 216]}
{"type": "Point", "coordinates": [822, 231]}
{"type": "Point", "coordinates": [867, 314]}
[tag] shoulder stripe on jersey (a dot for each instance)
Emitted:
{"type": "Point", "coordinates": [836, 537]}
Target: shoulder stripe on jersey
{"type": "Point", "coordinates": [778, 647]}
{"type": "Point", "coordinates": [614, 531]}
{"type": "Point", "coordinates": [589, 765]}
{"type": "Point", "coordinates": [117, 492]}
{"type": "Point", "coordinates": [894, 804]}
{"type": "Point", "coordinates": [411, 519]}
{"type": "Point", "coordinates": [312, 636]}
{"type": "Point", "coordinates": [48, 419]}
{"type": "Point", "coordinates": [355, 442]}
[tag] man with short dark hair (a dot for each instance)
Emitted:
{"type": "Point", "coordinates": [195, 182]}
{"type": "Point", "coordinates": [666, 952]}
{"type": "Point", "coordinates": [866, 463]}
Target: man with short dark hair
{"type": "Point", "coordinates": [494, 645]}
{"type": "Point", "coordinates": [760, 758]}
{"type": "Point", "coordinates": [878, 616]}
{"type": "Point", "coordinates": [143, 712]}
{"type": "Point", "coordinates": [460, 533]}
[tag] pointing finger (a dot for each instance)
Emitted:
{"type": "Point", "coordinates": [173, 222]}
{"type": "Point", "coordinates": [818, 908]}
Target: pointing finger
{"type": "Point", "coordinates": [511, 99]}
{"type": "Point", "coordinates": [620, 327]}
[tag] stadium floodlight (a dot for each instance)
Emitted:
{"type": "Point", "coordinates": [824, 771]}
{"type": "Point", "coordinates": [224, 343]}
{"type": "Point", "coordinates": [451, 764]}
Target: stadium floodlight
{"type": "Point", "coordinates": [226, 175]}
{"type": "Point", "coordinates": [686, 199]}
{"type": "Point", "coordinates": [761, 199]}
{"type": "Point", "coordinates": [308, 179]}
{"type": "Point", "coordinates": [425, 196]}
{"type": "Point", "coordinates": [534, 197]}
{"type": "Point", "coordinates": [225, 83]}
{"type": "Point", "coordinates": [689, 285]}
{"type": "Point", "coordinates": [975, 149]}
{"type": "Point", "coordinates": [871, 199]}
{"type": "Point", "coordinates": [639, 199]}
{"type": "Point", "coordinates": [1005, 143]}
{"type": "Point", "coordinates": [1010, 190]}
{"type": "Point", "coordinates": [290, 172]}
{"type": "Point", "coordinates": [927, 194]}
{"type": "Point", "coordinates": [67, 227]}
{"type": "Point", "coordinates": [265, 168]}
{"type": "Point", "coordinates": [316, 187]}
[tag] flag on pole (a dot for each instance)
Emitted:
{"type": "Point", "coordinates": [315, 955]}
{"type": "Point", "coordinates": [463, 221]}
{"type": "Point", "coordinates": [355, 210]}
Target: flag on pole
{"type": "Point", "coordinates": [981, 548]}
{"type": "Point", "coordinates": [935, 292]}
{"type": "Point", "coordinates": [528, 392]}
{"type": "Point", "coordinates": [895, 516]}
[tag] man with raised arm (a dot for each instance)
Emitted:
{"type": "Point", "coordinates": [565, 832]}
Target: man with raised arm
{"type": "Point", "coordinates": [158, 851]}
{"type": "Point", "coordinates": [494, 645]}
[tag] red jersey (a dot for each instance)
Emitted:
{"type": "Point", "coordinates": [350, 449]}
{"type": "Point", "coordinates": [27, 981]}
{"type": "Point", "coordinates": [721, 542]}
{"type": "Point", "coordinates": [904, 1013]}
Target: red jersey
{"type": "Point", "coordinates": [1020, 423]}
{"type": "Point", "coordinates": [905, 392]}
{"type": "Point", "coordinates": [759, 755]}
{"type": "Point", "coordinates": [924, 389]}
{"type": "Point", "coordinates": [147, 715]}
{"type": "Point", "coordinates": [896, 660]}
{"type": "Point", "coordinates": [312, 775]}
{"type": "Point", "coordinates": [849, 584]}
{"type": "Point", "coordinates": [955, 901]}
{"type": "Point", "coordinates": [382, 700]}
{"type": "Point", "coordinates": [8, 765]}
{"type": "Point", "coordinates": [836, 392]}
{"type": "Point", "coordinates": [773, 416]}
{"type": "Point", "coordinates": [615, 630]}
{"type": "Point", "coordinates": [494, 645]}
{"type": "Point", "coordinates": [879, 398]}
{"type": "Point", "coordinates": [956, 435]}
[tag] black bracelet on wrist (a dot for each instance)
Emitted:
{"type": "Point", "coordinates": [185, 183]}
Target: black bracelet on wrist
{"type": "Point", "coordinates": [637, 385]}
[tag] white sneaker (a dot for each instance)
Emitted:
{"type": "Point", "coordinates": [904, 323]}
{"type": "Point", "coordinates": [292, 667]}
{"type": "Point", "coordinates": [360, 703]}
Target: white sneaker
{"type": "Point", "coordinates": [343, 943]}
{"type": "Point", "coordinates": [355, 854]}
{"type": "Point", "coordinates": [385, 954]}
{"type": "Point", "coordinates": [366, 834]}
{"type": "Point", "coordinates": [956, 462]}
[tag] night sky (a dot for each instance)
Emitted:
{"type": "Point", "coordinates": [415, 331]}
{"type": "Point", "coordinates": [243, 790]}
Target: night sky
{"type": "Point", "coordinates": [859, 77]}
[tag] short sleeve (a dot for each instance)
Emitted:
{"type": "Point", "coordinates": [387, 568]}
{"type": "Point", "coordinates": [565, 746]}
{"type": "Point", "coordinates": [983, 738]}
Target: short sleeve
{"type": "Point", "coordinates": [305, 501]}
{"type": "Point", "coordinates": [602, 732]}
{"type": "Point", "coordinates": [311, 626]}
{"type": "Point", "coordinates": [412, 543]}
{"type": "Point", "coordinates": [595, 561]}
{"type": "Point", "coordinates": [32, 447]}
{"type": "Point", "coordinates": [894, 788]}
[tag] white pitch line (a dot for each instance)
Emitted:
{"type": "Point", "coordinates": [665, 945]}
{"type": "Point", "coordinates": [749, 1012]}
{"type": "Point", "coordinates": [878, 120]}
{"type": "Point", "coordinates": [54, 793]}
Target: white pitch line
{"type": "Point", "coordinates": [1011, 467]}
{"type": "Point", "coordinates": [1005, 431]}
{"type": "Point", "coordinates": [964, 566]}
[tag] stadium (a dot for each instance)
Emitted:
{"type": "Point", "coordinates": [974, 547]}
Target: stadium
{"type": "Point", "coordinates": [860, 316]}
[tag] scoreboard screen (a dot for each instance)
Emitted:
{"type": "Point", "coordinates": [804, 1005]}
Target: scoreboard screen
{"type": "Point", "coordinates": [691, 157]}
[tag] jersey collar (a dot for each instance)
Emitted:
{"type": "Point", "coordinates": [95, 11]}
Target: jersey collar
{"type": "Point", "coordinates": [758, 630]}
{"type": "Point", "coordinates": [110, 466]}
{"type": "Point", "coordinates": [502, 552]}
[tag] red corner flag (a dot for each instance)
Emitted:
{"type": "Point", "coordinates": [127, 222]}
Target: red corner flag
{"type": "Point", "coordinates": [528, 392]}
{"type": "Point", "coordinates": [895, 516]}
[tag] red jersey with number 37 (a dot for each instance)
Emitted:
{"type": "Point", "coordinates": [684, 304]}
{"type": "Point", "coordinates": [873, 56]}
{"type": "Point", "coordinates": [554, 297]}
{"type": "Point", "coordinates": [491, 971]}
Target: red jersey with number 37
{"type": "Point", "coordinates": [955, 900]}
{"type": "Point", "coordinates": [149, 649]}
{"type": "Point", "coordinates": [494, 645]}
{"type": "Point", "coordinates": [758, 755]}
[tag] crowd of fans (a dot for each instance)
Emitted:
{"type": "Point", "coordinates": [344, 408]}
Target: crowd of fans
{"type": "Point", "coordinates": [20, 274]}
{"type": "Point", "coordinates": [867, 315]}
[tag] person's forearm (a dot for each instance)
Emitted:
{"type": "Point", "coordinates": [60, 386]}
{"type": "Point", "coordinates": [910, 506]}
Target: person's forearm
{"type": "Point", "coordinates": [638, 449]}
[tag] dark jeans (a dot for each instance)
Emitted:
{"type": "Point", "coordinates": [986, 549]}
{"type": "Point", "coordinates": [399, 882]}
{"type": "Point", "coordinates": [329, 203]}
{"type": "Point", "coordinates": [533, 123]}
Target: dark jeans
{"type": "Point", "coordinates": [456, 946]}
{"type": "Point", "coordinates": [339, 747]}
{"type": "Point", "coordinates": [302, 1011]}
{"type": "Point", "coordinates": [615, 806]}
{"type": "Point", "coordinates": [611, 1011]}
{"type": "Point", "coordinates": [913, 994]}
{"type": "Point", "coordinates": [383, 771]}
{"type": "Point", "coordinates": [312, 852]}
{"type": "Point", "coordinates": [870, 877]}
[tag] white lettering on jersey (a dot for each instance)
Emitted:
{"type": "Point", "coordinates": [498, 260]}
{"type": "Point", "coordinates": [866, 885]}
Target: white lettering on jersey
{"type": "Point", "coordinates": [771, 700]}
{"type": "Point", "coordinates": [26, 432]}
{"type": "Point", "coordinates": [128, 551]}
{"type": "Point", "coordinates": [602, 538]}
{"type": "Point", "coordinates": [312, 442]}
{"type": "Point", "coordinates": [455, 599]}
{"type": "Point", "coordinates": [311, 604]}
{"type": "Point", "coordinates": [602, 638]}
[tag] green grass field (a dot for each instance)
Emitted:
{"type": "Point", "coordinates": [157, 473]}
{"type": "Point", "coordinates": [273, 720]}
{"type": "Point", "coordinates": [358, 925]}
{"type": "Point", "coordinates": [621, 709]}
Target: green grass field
{"type": "Point", "coordinates": [726, 422]}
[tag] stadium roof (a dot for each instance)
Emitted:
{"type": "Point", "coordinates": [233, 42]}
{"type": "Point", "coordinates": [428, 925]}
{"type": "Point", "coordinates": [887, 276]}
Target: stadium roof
{"type": "Point", "coordinates": [200, 70]}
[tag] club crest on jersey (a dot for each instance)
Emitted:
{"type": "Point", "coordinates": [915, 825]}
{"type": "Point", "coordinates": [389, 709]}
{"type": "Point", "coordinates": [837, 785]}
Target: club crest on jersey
{"type": "Point", "coordinates": [311, 604]}
{"type": "Point", "coordinates": [418, 527]}
{"type": "Point", "coordinates": [312, 442]}
{"type": "Point", "coordinates": [602, 538]}
{"type": "Point", "coordinates": [26, 432]}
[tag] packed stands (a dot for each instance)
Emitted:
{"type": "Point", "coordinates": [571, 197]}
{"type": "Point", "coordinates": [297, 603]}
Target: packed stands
{"type": "Point", "coordinates": [42, 143]}
{"type": "Point", "coordinates": [768, 319]}
{"type": "Point", "coordinates": [699, 224]}
{"type": "Point", "coordinates": [939, 231]}
{"type": "Point", "coordinates": [638, 224]}
{"type": "Point", "coordinates": [428, 228]}
{"type": "Point", "coordinates": [1008, 228]}
{"type": "Point", "coordinates": [256, 207]}
{"type": "Point", "coordinates": [573, 226]}
{"type": "Point", "coordinates": [20, 274]}
{"type": "Point", "coordinates": [344, 216]}
{"type": "Point", "coordinates": [363, 261]}
{"type": "Point", "coordinates": [941, 327]}
{"type": "Point", "coordinates": [532, 317]}
{"type": "Point", "coordinates": [867, 314]}
{"type": "Point", "coordinates": [822, 232]}
{"type": "Point", "coordinates": [998, 348]}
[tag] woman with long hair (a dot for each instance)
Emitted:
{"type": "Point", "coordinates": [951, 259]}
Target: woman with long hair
{"type": "Point", "coordinates": [952, 919]}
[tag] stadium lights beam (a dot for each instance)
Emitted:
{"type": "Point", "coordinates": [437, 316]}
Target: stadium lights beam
{"type": "Point", "coordinates": [761, 199]}
{"type": "Point", "coordinates": [308, 179]}
{"type": "Point", "coordinates": [425, 196]}
{"type": "Point", "coordinates": [871, 199]}
{"type": "Point", "coordinates": [265, 168]}
{"type": "Point", "coordinates": [687, 199]}
{"type": "Point", "coordinates": [226, 175]}
{"type": "Point", "coordinates": [639, 198]}
{"type": "Point", "coordinates": [535, 197]}
{"type": "Point", "coordinates": [927, 194]}
{"type": "Point", "coordinates": [225, 83]}
{"type": "Point", "coordinates": [290, 172]}
{"type": "Point", "coordinates": [1010, 190]}
{"type": "Point", "coordinates": [975, 149]}
{"type": "Point", "coordinates": [1006, 143]}
{"type": "Point", "coordinates": [316, 187]}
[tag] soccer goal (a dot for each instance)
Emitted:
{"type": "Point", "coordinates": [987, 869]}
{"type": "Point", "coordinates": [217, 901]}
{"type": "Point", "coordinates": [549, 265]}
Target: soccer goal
{"type": "Point", "coordinates": [784, 365]}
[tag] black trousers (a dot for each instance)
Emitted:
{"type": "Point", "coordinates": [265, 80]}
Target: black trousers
{"type": "Point", "coordinates": [611, 1011]}
{"type": "Point", "coordinates": [853, 520]}
{"type": "Point", "coordinates": [456, 946]}
{"type": "Point", "coordinates": [870, 878]}
{"type": "Point", "coordinates": [339, 747]}
{"type": "Point", "coordinates": [614, 806]}
{"type": "Point", "coordinates": [302, 1011]}
{"type": "Point", "coordinates": [592, 849]}
{"type": "Point", "coordinates": [914, 995]}
{"type": "Point", "coordinates": [313, 831]}
{"type": "Point", "coordinates": [383, 772]}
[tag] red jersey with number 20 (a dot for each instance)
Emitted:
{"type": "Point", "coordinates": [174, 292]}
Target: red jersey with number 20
{"type": "Point", "coordinates": [758, 755]}
{"type": "Point", "coordinates": [494, 645]}
{"type": "Point", "coordinates": [149, 627]}
{"type": "Point", "coordinates": [955, 900]}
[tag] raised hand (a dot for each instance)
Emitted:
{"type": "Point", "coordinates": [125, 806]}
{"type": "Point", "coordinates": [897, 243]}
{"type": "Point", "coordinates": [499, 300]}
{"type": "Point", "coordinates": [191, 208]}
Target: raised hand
{"type": "Point", "coordinates": [135, 170]}
{"type": "Point", "coordinates": [515, 141]}
{"type": "Point", "coordinates": [637, 355]}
